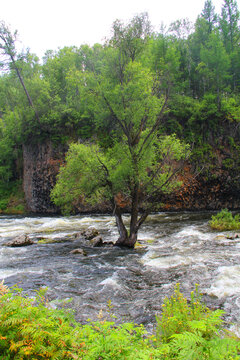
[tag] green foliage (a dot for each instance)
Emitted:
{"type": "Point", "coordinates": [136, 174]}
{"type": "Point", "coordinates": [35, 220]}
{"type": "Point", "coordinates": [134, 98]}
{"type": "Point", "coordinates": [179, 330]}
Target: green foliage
{"type": "Point", "coordinates": [177, 314]}
{"type": "Point", "coordinates": [91, 175]}
{"type": "Point", "coordinates": [12, 198]}
{"type": "Point", "coordinates": [189, 330]}
{"type": "Point", "coordinates": [214, 64]}
{"type": "Point", "coordinates": [82, 178]}
{"type": "Point", "coordinates": [31, 329]}
{"type": "Point", "coordinates": [224, 220]}
{"type": "Point", "coordinates": [79, 93]}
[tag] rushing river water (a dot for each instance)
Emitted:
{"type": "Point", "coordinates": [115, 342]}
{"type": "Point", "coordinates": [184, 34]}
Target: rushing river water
{"type": "Point", "coordinates": [180, 248]}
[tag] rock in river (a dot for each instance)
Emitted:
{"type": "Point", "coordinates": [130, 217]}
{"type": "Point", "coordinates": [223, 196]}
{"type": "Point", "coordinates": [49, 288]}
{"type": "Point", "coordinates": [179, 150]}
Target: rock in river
{"type": "Point", "coordinates": [90, 233]}
{"type": "Point", "coordinates": [78, 251]}
{"type": "Point", "coordinates": [21, 240]}
{"type": "Point", "coordinates": [96, 241]}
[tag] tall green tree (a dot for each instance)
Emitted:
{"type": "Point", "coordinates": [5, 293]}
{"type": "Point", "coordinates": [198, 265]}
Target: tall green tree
{"type": "Point", "coordinates": [140, 161]}
{"type": "Point", "coordinates": [209, 15]}
{"type": "Point", "coordinates": [229, 25]}
{"type": "Point", "coordinates": [214, 65]}
{"type": "Point", "coordinates": [8, 50]}
{"type": "Point", "coordinates": [180, 31]}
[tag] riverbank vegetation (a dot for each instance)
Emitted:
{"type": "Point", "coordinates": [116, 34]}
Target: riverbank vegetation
{"type": "Point", "coordinates": [119, 101]}
{"type": "Point", "coordinates": [225, 220]}
{"type": "Point", "coordinates": [31, 329]}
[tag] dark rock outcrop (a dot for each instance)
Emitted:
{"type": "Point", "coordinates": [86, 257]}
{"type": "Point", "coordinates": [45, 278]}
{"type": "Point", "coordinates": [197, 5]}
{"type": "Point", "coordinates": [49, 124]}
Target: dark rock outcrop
{"type": "Point", "coordinates": [200, 193]}
{"type": "Point", "coordinates": [41, 164]}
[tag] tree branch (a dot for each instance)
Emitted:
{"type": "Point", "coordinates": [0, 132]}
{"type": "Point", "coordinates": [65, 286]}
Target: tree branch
{"type": "Point", "coordinates": [116, 117]}
{"type": "Point", "coordinates": [156, 125]}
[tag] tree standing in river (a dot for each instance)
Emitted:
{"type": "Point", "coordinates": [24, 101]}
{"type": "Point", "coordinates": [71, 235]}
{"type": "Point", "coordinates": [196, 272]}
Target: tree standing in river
{"type": "Point", "coordinates": [139, 160]}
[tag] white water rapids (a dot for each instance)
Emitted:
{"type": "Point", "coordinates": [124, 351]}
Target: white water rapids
{"type": "Point", "coordinates": [179, 247]}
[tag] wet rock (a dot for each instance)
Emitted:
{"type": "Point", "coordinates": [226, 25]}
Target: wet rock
{"type": "Point", "coordinates": [108, 243]}
{"type": "Point", "coordinates": [94, 239]}
{"type": "Point", "coordinates": [220, 237]}
{"type": "Point", "coordinates": [78, 235]}
{"type": "Point", "coordinates": [97, 241]}
{"type": "Point", "coordinates": [227, 237]}
{"type": "Point", "coordinates": [89, 234]}
{"type": "Point", "coordinates": [234, 236]}
{"type": "Point", "coordinates": [21, 240]}
{"type": "Point", "coordinates": [139, 245]}
{"type": "Point", "coordinates": [51, 240]}
{"type": "Point", "coordinates": [79, 252]}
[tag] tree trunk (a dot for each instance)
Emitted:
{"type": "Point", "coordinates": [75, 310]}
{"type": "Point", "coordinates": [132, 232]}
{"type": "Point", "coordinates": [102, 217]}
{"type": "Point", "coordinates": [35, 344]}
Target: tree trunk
{"type": "Point", "coordinates": [24, 88]}
{"type": "Point", "coordinates": [121, 228]}
{"type": "Point", "coordinates": [125, 239]}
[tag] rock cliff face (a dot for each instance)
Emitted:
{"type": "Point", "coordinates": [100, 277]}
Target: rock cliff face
{"type": "Point", "coordinates": [202, 194]}
{"type": "Point", "coordinates": [41, 163]}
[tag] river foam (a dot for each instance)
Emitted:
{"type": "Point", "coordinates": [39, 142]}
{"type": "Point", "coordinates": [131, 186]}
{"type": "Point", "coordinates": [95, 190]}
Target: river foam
{"type": "Point", "coordinates": [227, 282]}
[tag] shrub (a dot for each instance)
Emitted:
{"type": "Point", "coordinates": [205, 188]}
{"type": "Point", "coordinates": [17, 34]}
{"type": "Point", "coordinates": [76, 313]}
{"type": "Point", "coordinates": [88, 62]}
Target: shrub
{"type": "Point", "coordinates": [30, 329]}
{"type": "Point", "coordinates": [12, 198]}
{"type": "Point", "coordinates": [190, 330]}
{"type": "Point", "coordinates": [224, 220]}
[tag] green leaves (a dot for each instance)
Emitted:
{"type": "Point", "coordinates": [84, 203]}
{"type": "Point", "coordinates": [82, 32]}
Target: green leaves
{"type": "Point", "coordinates": [225, 220]}
{"type": "Point", "coordinates": [29, 329]}
{"type": "Point", "coordinates": [192, 331]}
{"type": "Point", "coordinates": [91, 175]}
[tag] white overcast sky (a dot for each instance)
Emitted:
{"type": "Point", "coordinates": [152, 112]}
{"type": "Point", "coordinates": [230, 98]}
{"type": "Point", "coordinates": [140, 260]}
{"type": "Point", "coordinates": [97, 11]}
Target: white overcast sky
{"type": "Point", "coordinates": [50, 24]}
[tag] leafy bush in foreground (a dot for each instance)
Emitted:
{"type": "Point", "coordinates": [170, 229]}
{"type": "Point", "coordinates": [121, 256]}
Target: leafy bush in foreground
{"type": "Point", "coordinates": [190, 330]}
{"type": "Point", "coordinates": [29, 329]}
{"type": "Point", "coordinates": [224, 220]}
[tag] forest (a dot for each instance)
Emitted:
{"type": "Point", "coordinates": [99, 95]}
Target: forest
{"type": "Point", "coordinates": [131, 111]}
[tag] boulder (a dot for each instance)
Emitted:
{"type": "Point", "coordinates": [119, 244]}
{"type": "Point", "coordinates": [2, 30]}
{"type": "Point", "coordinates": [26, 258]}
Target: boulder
{"type": "Point", "coordinates": [96, 241]}
{"type": "Point", "coordinates": [234, 236]}
{"type": "Point", "coordinates": [21, 240]}
{"type": "Point", "coordinates": [79, 252]}
{"type": "Point", "coordinates": [90, 233]}
{"type": "Point", "coordinates": [78, 235]}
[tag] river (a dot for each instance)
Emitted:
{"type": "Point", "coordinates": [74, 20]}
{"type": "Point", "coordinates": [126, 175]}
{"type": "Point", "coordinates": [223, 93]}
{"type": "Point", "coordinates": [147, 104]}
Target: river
{"type": "Point", "coordinates": [179, 248]}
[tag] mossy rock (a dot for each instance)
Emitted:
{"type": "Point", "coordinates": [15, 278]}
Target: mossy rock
{"type": "Point", "coordinates": [139, 246]}
{"type": "Point", "coordinates": [50, 241]}
{"type": "Point", "coordinates": [150, 241]}
{"type": "Point", "coordinates": [220, 237]}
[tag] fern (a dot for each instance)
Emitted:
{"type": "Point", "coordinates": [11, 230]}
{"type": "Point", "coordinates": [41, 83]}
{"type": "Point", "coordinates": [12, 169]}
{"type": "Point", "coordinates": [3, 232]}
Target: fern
{"type": "Point", "coordinates": [31, 331]}
{"type": "Point", "coordinates": [192, 346]}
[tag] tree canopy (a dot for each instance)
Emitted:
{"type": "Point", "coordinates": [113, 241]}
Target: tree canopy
{"type": "Point", "coordinates": [139, 160]}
